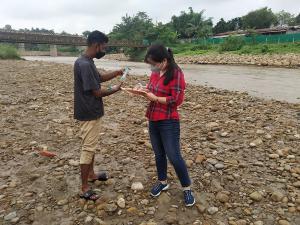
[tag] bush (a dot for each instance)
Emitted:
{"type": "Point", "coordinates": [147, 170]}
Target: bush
{"type": "Point", "coordinates": [135, 54]}
{"type": "Point", "coordinates": [246, 50]}
{"type": "Point", "coordinates": [8, 52]}
{"type": "Point", "coordinates": [232, 43]}
{"type": "Point", "coordinates": [265, 49]}
{"type": "Point", "coordinates": [201, 47]}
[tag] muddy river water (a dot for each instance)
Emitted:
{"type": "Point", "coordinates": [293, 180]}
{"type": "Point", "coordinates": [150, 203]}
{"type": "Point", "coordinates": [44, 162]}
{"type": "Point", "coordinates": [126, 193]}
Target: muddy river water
{"type": "Point", "coordinates": [282, 84]}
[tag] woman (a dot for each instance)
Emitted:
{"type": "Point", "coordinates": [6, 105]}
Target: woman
{"type": "Point", "coordinates": [165, 90]}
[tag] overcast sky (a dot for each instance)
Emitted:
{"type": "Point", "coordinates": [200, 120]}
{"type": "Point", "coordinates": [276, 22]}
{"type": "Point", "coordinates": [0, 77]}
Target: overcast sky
{"type": "Point", "coordinates": [76, 16]}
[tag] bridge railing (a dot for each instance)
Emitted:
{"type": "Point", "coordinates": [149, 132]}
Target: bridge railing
{"type": "Point", "coordinates": [35, 38]}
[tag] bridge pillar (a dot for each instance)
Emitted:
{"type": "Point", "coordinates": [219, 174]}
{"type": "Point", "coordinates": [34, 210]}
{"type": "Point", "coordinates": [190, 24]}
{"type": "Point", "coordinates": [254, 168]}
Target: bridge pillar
{"type": "Point", "coordinates": [21, 48]}
{"type": "Point", "coordinates": [53, 50]}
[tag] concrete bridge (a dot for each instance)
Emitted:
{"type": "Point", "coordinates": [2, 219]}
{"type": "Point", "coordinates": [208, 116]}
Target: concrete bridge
{"type": "Point", "coordinates": [53, 40]}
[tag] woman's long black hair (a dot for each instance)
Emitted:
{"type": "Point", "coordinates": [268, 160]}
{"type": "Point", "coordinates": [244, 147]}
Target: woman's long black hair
{"type": "Point", "coordinates": [158, 53]}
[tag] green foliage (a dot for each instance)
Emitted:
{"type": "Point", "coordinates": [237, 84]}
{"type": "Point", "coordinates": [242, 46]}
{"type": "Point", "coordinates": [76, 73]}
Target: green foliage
{"type": "Point", "coordinates": [164, 34]}
{"type": "Point", "coordinates": [223, 26]}
{"type": "Point", "coordinates": [201, 47]}
{"type": "Point", "coordinates": [232, 43]}
{"type": "Point", "coordinates": [285, 18]}
{"type": "Point", "coordinates": [297, 19]}
{"type": "Point", "coordinates": [8, 52]}
{"type": "Point", "coordinates": [252, 34]}
{"type": "Point", "coordinates": [136, 28]}
{"type": "Point", "coordinates": [86, 33]}
{"type": "Point", "coordinates": [135, 54]}
{"type": "Point", "coordinates": [260, 18]}
{"type": "Point", "coordinates": [68, 49]}
{"type": "Point", "coordinates": [265, 49]}
{"type": "Point", "coordinates": [257, 49]}
{"type": "Point", "coordinates": [192, 24]}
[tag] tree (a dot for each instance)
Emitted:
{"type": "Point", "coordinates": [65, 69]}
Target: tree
{"type": "Point", "coordinates": [86, 33]}
{"type": "Point", "coordinates": [192, 24]}
{"type": "Point", "coordinates": [235, 24]}
{"type": "Point", "coordinates": [220, 27]}
{"type": "Point", "coordinates": [164, 33]}
{"type": "Point", "coordinates": [137, 27]}
{"type": "Point", "coordinates": [42, 31]}
{"type": "Point", "coordinates": [261, 18]}
{"type": "Point", "coordinates": [7, 27]}
{"type": "Point", "coordinates": [65, 33]}
{"type": "Point", "coordinates": [297, 19]}
{"type": "Point", "coordinates": [285, 18]}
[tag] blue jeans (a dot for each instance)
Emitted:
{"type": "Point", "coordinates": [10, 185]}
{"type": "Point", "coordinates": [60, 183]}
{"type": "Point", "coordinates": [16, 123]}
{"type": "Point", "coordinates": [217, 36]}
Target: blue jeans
{"type": "Point", "coordinates": [165, 140]}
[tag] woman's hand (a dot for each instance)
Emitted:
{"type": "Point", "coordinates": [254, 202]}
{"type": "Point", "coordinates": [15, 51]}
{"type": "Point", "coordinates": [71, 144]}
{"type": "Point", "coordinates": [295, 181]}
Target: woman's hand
{"type": "Point", "coordinates": [152, 97]}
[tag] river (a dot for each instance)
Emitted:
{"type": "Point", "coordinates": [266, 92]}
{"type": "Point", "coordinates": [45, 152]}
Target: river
{"type": "Point", "coordinates": [281, 84]}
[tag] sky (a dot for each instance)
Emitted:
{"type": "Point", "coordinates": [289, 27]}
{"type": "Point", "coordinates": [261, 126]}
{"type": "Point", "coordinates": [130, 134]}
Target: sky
{"type": "Point", "coordinates": [76, 16]}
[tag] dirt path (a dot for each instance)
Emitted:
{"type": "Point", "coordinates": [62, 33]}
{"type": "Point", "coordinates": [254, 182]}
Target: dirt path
{"type": "Point", "coordinates": [243, 155]}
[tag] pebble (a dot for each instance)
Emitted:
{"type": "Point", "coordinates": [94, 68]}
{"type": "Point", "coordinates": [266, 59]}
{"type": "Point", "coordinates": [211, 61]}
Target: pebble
{"type": "Point", "coordinates": [88, 220]}
{"type": "Point", "coordinates": [273, 156]}
{"type": "Point", "coordinates": [121, 203]}
{"type": "Point", "coordinates": [212, 210]}
{"type": "Point", "coordinates": [212, 161]}
{"type": "Point", "coordinates": [73, 162]}
{"type": "Point", "coordinates": [296, 184]}
{"type": "Point", "coordinates": [39, 208]}
{"type": "Point", "coordinates": [283, 222]}
{"type": "Point", "coordinates": [256, 142]}
{"type": "Point", "coordinates": [241, 222]}
{"type": "Point", "coordinates": [259, 222]}
{"type": "Point", "coordinates": [224, 134]}
{"type": "Point", "coordinates": [200, 158]}
{"type": "Point", "coordinates": [10, 216]}
{"type": "Point", "coordinates": [256, 196]}
{"type": "Point", "coordinates": [277, 196]}
{"type": "Point", "coordinates": [62, 202]}
{"type": "Point", "coordinates": [98, 221]}
{"type": "Point", "coordinates": [110, 207]}
{"type": "Point", "coordinates": [212, 126]}
{"type": "Point", "coordinates": [222, 197]}
{"type": "Point", "coordinates": [219, 166]}
{"type": "Point", "coordinates": [137, 186]}
{"type": "Point", "coordinates": [145, 202]}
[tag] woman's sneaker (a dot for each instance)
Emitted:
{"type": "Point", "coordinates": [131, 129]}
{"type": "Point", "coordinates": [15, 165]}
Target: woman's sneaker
{"type": "Point", "coordinates": [158, 188]}
{"type": "Point", "coordinates": [189, 198]}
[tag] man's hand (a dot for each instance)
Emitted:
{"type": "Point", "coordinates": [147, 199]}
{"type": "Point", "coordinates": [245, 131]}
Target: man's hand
{"type": "Point", "coordinates": [117, 87]}
{"type": "Point", "coordinates": [119, 72]}
{"type": "Point", "coordinates": [111, 75]}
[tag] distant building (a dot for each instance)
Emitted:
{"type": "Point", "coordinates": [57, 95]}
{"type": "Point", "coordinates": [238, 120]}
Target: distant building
{"type": "Point", "coordinates": [265, 31]}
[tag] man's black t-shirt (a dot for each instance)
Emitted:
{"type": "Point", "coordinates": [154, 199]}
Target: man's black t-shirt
{"type": "Point", "coordinates": [86, 79]}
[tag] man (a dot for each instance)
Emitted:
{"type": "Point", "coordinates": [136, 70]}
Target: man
{"type": "Point", "coordinates": [88, 106]}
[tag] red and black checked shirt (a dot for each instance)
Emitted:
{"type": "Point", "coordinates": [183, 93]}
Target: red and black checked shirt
{"type": "Point", "coordinates": [174, 92]}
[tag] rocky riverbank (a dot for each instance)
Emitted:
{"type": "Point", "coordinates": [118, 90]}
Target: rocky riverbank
{"type": "Point", "coordinates": [284, 60]}
{"type": "Point", "coordinates": [242, 152]}
{"type": "Point", "coordinates": [274, 60]}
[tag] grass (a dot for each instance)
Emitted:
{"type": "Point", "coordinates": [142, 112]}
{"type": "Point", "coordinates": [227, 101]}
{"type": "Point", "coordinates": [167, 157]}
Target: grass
{"type": "Point", "coordinates": [187, 49]}
{"type": "Point", "coordinates": [8, 52]}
